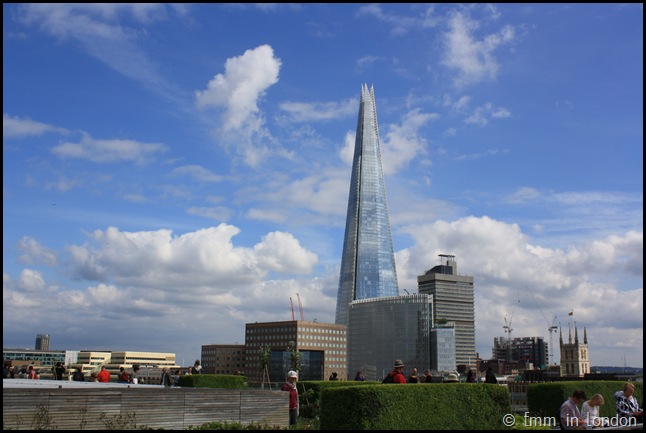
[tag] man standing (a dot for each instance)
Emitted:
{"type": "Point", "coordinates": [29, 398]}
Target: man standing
{"type": "Point", "coordinates": [104, 375]}
{"type": "Point", "coordinates": [396, 376]}
{"type": "Point", "coordinates": [290, 386]}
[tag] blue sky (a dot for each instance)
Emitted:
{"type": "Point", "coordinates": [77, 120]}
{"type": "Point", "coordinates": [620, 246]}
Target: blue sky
{"type": "Point", "coordinates": [172, 172]}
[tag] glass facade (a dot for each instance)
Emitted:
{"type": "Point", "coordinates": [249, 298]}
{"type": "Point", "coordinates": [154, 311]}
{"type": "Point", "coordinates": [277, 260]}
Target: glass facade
{"type": "Point", "coordinates": [382, 330]}
{"type": "Point", "coordinates": [453, 300]}
{"type": "Point", "coordinates": [443, 348]}
{"type": "Point", "coordinates": [367, 262]}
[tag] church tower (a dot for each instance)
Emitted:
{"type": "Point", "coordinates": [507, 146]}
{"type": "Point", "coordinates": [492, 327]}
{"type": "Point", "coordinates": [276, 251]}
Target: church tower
{"type": "Point", "coordinates": [574, 355]}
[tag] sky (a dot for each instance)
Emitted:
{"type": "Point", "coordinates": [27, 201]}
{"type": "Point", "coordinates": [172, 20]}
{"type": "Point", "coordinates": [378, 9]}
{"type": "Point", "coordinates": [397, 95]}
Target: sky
{"type": "Point", "coordinates": [172, 172]}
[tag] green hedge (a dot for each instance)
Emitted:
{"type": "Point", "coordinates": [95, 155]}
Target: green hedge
{"type": "Point", "coordinates": [545, 399]}
{"type": "Point", "coordinates": [228, 381]}
{"type": "Point", "coordinates": [442, 406]}
{"type": "Point", "coordinates": [309, 393]}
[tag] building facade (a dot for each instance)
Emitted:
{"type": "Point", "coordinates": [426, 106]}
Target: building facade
{"type": "Point", "coordinates": [42, 342]}
{"type": "Point", "coordinates": [322, 347]}
{"type": "Point", "coordinates": [223, 359]}
{"type": "Point", "coordinates": [381, 330]}
{"type": "Point", "coordinates": [453, 300]}
{"type": "Point", "coordinates": [367, 262]}
{"type": "Point", "coordinates": [443, 347]}
{"type": "Point", "coordinates": [575, 359]}
{"type": "Point", "coordinates": [521, 353]}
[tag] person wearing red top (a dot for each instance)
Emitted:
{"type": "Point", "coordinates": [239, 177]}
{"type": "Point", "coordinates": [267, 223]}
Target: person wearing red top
{"type": "Point", "coordinates": [396, 376]}
{"type": "Point", "coordinates": [32, 373]}
{"type": "Point", "coordinates": [290, 386]}
{"type": "Point", "coordinates": [104, 375]}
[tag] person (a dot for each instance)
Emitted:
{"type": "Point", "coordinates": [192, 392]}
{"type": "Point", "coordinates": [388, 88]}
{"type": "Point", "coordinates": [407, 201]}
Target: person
{"type": "Point", "coordinates": [104, 375]}
{"type": "Point", "coordinates": [490, 377]}
{"type": "Point", "coordinates": [134, 377]}
{"type": "Point", "coordinates": [123, 376]}
{"type": "Point", "coordinates": [413, 378]}
{"type": "Point", "coordinates": [359, 377]}
{"type": "Point", "coordinates": [627, 406]}
{"type": "Point", "coordinates": [290, 386]}
{"type": "Point", "coordinates": [166, 379]}
{"type": "Point", "coordinates": [189, 370]}
{"type": "Point", "coordinates": [427, 376]}
{"type": "Point", "coordinates": [471, 376]}
{"type": "Point", "coordinates": [569, 414]}
{"type": "Point", "coordinates": [78, 375]}
{"type": "Point", "coordinates": [590, 411]}
{"type": "Point", "coordinates": [23, 374]}
{"type": "Point", "coordinates": [6, 371]}
{"type": "Point", "coordinates": [94, 376]}
{"type": "Point", "coordinates": [451, 378]}
{"type": "Point", "coordinates": [333, 376]}
{"type": "Point", "coordinates": [33, 374]}
{"type": "Point", "coordinates": [176, 376]}
{"type": "Point", "coordinates": [59, 370]}
{"type": "Point", "coordinates": [197, 368]}
{"type": "Point", "coordinates": [396, 376]}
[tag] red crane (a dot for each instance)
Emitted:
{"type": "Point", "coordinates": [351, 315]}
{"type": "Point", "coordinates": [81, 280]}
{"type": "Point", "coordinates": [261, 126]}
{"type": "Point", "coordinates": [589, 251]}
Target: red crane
{"type": "Point", "coordinates": [300, 306]}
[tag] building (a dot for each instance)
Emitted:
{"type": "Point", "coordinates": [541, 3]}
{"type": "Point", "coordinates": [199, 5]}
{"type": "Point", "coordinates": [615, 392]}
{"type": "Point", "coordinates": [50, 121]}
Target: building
{"type": "Point", "coordinates": [443, 347]}
{"type": "Point", "coordinates": [150, 363]}
{"type": "Point", "coordinates": [574, 355]}
{"type": "Point", "coordinates": [223, 359]}
{"type": "Point", "coordinates": [367, 262]}
{"type": "Point", "coordinates": [45, 358]}
{"type": "Point", "coordinates": [384, 329]}
{"type": "Point", "coordinates": [322, 346]}
{"type": "Point", "coordinates": [42, 342]}
{"type": "Point", "coordinates": [521, 353]}
{"type": "Point", "coordinates": [453, 301]}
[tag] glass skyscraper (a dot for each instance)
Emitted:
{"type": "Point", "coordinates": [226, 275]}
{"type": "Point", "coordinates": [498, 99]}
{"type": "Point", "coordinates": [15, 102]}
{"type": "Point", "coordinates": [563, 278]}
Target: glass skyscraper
{"type": "Point", "coordinates": [368, 262]}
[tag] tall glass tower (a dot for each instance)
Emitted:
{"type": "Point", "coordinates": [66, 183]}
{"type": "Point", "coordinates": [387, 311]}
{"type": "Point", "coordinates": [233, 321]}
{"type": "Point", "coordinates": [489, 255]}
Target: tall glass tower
{"type": "Point", "coordinates": [368, 262]}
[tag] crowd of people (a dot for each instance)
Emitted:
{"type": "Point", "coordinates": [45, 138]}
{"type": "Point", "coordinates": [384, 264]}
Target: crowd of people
{"type": "Point", "coordinates": [627, 409]}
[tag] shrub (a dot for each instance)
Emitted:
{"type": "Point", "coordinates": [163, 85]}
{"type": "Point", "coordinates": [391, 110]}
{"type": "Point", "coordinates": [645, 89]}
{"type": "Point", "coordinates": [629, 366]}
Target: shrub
{"type": "Point", "coordinates": [228, 381]}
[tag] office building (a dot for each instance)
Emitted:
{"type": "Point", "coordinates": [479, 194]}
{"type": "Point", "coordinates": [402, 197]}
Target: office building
{"type": "Point", "coordinates": [42, 342]}
{"type": "Point", "coordinates": [223, 359]}
{"type": "Point", "coordinates": [453, 302]}
{"type": "Point", "coordinates": [521, 353]}
{"type": "Point", "coordinates": [322, 346]}
{"type": "Point", "coordinates": [443, 347]}
{"type": "Point", "coordinates": [384, 329]}
{"type": "Point", "coordinates": [367, 261]}
{"type": "Point", "coordinates": [575, 359]}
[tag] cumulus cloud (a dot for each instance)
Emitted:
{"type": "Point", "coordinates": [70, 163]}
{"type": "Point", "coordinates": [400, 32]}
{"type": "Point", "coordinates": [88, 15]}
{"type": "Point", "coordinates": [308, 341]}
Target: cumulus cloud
{"type": "Point", "coordinates": [16, 127]}
{"type": "Point", "coordinates": [245, 80]}
{"type": "Point", "coordinates": [107, 151]}
{"type": "Point", "coordinates": [35, 253]}
{"type": "Point", "coordinates": [473, 59]}
{"type": "Point", "coordinates": [403, 143]}
{"type": "Point", "coordinates": [509, 270]}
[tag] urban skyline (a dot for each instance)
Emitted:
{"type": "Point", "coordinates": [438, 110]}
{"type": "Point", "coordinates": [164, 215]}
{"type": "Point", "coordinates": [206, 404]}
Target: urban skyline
{"type": "Point", "coordinates": [172, 172]}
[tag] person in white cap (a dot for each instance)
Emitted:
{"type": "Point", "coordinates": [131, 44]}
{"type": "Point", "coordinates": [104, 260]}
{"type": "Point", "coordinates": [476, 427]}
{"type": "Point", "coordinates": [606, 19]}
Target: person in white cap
{"type": "Point", "coordinates": [290, 386]}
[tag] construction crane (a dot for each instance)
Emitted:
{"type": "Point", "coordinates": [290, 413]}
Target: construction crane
{"type": "Point", "coordinates": [551, 328]}
{"type": "Point", "coordinates": [291, 305]}
{"type": "Point", "coordinates": [508, 330]}
{"type": "Point", "coordinates": [300, 306]}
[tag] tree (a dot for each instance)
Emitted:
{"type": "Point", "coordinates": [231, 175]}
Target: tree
{"type": "Point", "coordinates": [294, 356]}
{"type": "Point", "coordinates": [265, 353]}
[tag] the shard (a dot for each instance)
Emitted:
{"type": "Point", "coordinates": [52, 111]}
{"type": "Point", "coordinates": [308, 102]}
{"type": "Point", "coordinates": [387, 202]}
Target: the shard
{"type": "Point", "coordinates": [368, 262]}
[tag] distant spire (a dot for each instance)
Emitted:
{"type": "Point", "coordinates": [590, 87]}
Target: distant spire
{"type": "Point", "coordinates": [560, 336]}
{"type": "Point", "coordinates": [585, 336]}
{"type": "Point", "coordinates": [576, 333]}
{"type": "Point", "coordinates": [569, 329]}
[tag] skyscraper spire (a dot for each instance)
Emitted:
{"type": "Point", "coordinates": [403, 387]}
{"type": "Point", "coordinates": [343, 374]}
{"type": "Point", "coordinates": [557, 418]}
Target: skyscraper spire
{"type": "Point", "coordinates": [368, 261]}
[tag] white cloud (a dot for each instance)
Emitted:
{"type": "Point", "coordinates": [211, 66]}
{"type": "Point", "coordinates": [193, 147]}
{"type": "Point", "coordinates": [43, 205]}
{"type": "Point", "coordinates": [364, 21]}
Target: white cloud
{"type": "Point", "coordinates": [198, 172]}
{"type": "Point", "coordinates": [319, 111]}
{"type": "Point", "coordinates": [245, 80]}
{"type": "Point", "coordinates": [107, 151]}
{"type": "Point", "coordinates": [16, 127]}
{"type": "Point", "coordinates": [507, 268]}
{"type": "Point", "coordinates": [483, 114]}
{"type": "Point", "coordinates": [473, 59]}
{"type": "Point", "coordinates": [403, 143]}
{"type": "Point", "coordinates": [34, 252]}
